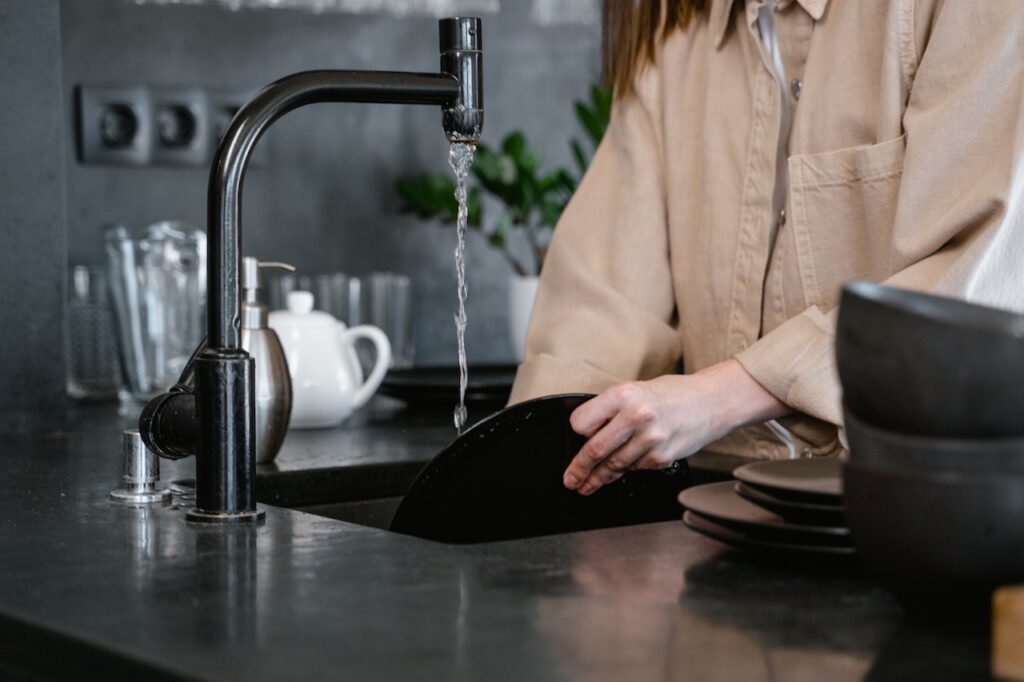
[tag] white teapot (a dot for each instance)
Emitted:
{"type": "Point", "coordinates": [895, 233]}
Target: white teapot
{"type": "Point", "coordinates": [327, 380]}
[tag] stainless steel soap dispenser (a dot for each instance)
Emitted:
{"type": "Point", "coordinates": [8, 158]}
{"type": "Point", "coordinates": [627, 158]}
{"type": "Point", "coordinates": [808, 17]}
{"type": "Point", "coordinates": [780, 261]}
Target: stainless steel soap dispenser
{"type": "Point", "coordinates": [273, 383]}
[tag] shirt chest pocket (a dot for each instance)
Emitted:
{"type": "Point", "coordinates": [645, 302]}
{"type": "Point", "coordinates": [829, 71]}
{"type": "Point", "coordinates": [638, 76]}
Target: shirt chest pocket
{"type": "Point", "coordinates": [842, 207]}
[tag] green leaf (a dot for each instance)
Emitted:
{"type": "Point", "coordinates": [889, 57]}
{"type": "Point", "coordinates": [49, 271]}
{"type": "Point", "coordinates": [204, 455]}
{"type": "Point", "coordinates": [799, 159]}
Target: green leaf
{"type": "Point", "coordinates": [551, 212]}
{"type": "Point", "coordinates": [474, 209]}
{"type": "Point", "coordinates": [428, 196]}
{"type": "Point", "coordinates": [558, 181]}
{"type": "Point", "coordinates": [591, 122]}
{"type": "Point", "coordinates": [579, 155]}
{"type": "Point", "coordinates": [514, 144]}
{"type": "Point", "coordinates": [602, 99]}
{"type": "Point", "coordinates": [432, 197]}
{"type": "Point", "coordinates": [528, 159]}
{"type": "Point", "coordinates": [487, 166]}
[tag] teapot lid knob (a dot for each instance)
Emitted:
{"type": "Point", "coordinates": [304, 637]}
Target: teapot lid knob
{"type": "Point", "coordinates": [300, 302]}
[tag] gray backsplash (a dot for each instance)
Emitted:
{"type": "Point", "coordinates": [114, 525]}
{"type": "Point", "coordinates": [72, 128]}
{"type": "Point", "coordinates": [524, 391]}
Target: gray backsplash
{"type": "Point", "coordinates": [32, 232]}
{"type": "Point", "coordinates": [323, 198]}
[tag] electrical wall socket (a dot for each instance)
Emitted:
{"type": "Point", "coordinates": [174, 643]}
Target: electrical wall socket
{"type": "Point", "coordinates": [114, 125]}
{"type": "Point", "coordinates": [139, 126]}
{"type": "Point", "coordinates": [180, 129]}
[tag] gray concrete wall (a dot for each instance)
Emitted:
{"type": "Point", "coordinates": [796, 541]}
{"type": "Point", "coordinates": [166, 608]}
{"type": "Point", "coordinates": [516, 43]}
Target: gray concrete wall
{"type": "Point", "coordinates": [324, 201]}
{"type": "Point", "coordinates": [32, 226]}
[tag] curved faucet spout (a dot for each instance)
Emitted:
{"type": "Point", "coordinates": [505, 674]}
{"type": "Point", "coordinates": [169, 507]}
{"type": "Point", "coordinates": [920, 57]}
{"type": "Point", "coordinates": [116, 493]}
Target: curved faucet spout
{"type": "Point", "coordinates": [224, 389]}
{"type": "Point", "coordinates": [232, 159]}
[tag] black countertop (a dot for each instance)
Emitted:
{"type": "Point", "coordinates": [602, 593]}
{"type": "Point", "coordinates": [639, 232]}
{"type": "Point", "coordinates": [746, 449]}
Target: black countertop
{"type": "Point", "coordinates": [90, 588]}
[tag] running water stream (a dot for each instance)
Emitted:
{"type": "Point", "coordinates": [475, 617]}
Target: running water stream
{"type": "Point", "coordinates": [460, 158]}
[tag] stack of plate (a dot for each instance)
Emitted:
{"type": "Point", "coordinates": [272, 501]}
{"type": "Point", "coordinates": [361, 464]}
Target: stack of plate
{"type": "Point", "coordinates": [786, 506]}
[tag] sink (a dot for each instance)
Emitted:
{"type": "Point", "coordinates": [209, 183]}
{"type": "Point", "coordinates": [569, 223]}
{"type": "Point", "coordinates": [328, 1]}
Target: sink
{"type": "Point", "coordinates": [370, 494]}
{"type": "Point", "coordinates": [367, 494]}
{"type": "Point", "coordinates": [362, 472]}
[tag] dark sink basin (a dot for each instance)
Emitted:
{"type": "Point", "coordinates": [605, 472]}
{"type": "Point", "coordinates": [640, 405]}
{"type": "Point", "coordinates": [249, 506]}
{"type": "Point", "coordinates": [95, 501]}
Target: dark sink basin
{"type": "Point", "coordinates": [367, 494]}
{"type": "Point", "coordinates": [501, 480]}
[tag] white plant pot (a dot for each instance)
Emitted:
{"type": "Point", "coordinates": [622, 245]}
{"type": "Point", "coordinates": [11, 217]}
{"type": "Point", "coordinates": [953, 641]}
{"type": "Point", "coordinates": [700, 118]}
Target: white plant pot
{"type": "Point", "coordinates": [521, 293]}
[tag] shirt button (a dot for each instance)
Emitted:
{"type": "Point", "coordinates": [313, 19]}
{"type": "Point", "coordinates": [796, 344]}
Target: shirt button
{"type": "Point", "coordinates": [795, 87]}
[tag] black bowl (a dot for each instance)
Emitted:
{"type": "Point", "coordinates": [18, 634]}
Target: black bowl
{"type": "Point", "coordinates": [883, 449]}
{"type": "Point", "coordinates": [928, 365]}
{"type": "Point", "coordinates": [951, 535]}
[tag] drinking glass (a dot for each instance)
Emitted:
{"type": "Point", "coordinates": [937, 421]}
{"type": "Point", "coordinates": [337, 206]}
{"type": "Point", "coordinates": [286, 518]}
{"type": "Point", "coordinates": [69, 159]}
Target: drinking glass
{"type": "Point", "coordinates": [333, 292]}
{"type": "Point", "coordinates": [386, 302]}
{"type": "Point", "coordinates": [90, 347]}
{"type": "Point", "coordinates": [158, 288]}
{"type": "Point", "coordinates": [382, 299]}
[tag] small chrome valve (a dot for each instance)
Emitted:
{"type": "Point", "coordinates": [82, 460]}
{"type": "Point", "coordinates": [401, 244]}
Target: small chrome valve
{"type": "Point", "coordinates": [141, 471]}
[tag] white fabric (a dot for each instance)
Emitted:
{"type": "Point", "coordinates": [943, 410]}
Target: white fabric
{"type": "Point", "coordinates": [766, 25]}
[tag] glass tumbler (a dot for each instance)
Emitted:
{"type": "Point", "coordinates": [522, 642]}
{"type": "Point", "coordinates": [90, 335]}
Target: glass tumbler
{"type": "Point", "coordinates": [90, 347]}
{"type": "Point", "coordinates": [333, 292]}
{"type": "Point", "coordinates": [381, 299]}
{"type": "Point", "coordinates": [158, 288]}
{"type": "Point", "coordinates": [385, 301]}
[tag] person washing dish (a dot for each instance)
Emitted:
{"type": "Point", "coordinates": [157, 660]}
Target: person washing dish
{"type": "Point", "coordinates": [759, 155]}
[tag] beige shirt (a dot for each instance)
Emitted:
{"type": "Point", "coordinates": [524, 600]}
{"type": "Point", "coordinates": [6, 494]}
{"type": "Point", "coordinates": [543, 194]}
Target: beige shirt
{"type": "Point", "coordinates": [906, 165]}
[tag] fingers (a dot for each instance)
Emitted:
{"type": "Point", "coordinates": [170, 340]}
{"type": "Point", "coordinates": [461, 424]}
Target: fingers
{"type": "Point", "coordinates": [615, 465]}
{"type": "Point", "coordinates": [623, 431]}
{"type": "Point", "coordinates": [589, 417]}
{"type": "Point", "coordinates": [606, 441]}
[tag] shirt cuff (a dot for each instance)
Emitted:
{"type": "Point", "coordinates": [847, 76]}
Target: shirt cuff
{"type": "Point", "coordinates": [796, 363]}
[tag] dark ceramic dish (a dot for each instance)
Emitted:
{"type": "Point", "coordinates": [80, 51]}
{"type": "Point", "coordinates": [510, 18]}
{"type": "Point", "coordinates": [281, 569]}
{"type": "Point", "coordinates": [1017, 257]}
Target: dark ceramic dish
{"type": "Point", "coordinates": [882, 449]}
{"type": "Point", "coordinates": [799, 512]}
{"type": "Point", "coordinates": [488, 384]}
{"type": "Point", "coordinates": [947, 534]}
{"type": "Point", "coordinates": [928, 365]}
{"type": "Point", "coordinates": [814, 480]}
{"type": "Point", "coordinates": [720, 503]}
{"type": "Point", "coordinates": [502, 479]}
{"type": "Point", "coordinates": [737, 538]}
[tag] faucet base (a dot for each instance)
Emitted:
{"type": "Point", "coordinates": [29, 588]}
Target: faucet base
{"type": "Point", "coordinates": [127, 496]}
{"type": "Point", "coordinates": [196, 515]}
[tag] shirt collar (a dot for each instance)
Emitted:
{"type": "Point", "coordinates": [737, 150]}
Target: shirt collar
{"type": "Point", "coordinates": [721, 11]}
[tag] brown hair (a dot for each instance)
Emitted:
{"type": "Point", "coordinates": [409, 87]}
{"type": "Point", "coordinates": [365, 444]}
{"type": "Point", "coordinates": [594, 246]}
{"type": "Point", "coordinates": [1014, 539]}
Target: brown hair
{"type": "Point", "coordinates": [633, 30]}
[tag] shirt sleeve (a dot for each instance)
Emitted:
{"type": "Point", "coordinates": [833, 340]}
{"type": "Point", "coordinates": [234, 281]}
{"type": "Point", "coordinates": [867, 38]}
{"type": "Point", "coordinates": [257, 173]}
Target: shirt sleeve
{"type": "Point", "coordinates": [605, 308]}
{"type": "Point", "coordinates": [959, 225]}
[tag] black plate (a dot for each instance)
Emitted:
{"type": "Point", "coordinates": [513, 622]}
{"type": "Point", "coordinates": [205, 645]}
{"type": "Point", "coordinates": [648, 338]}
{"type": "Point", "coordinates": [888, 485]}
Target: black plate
{"type": "Point", "coordinates": [736, 538]}
{"type": "Point", "coordinates": [813, 514]}
{"type": "Point", "coordinates": [488, 384]}
{"type": "Point", "coordinates": [502, 479]}
{"type": "Point", "coordinates": [815, 480]}
{"type": "Point", "coordinates": [720, 503]}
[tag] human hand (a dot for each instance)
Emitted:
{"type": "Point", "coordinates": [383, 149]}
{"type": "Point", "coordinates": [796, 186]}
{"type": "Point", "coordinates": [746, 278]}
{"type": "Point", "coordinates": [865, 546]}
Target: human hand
{"type": "Point", "coordinates": [650, 424]}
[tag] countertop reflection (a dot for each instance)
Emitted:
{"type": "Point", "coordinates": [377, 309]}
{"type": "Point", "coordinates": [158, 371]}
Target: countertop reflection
{"type": "Point", "coordinates": [136, 591]}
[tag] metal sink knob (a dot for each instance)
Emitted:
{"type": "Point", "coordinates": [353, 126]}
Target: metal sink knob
{"type": "Point", "coordinates": [141, 472]}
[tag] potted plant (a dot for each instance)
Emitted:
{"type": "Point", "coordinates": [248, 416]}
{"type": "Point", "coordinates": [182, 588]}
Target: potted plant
{"type": "Point", "coordinates": [529, 200]}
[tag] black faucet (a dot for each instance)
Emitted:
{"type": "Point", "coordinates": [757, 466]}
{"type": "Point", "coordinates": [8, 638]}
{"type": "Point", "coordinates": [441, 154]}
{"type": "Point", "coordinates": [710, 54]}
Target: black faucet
{"type": "Point", "coordinates": [210, 412]}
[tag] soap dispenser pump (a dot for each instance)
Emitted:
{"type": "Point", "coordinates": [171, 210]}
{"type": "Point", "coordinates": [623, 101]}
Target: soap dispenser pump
{"type": "Point", "coordinates": [273, 383]}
